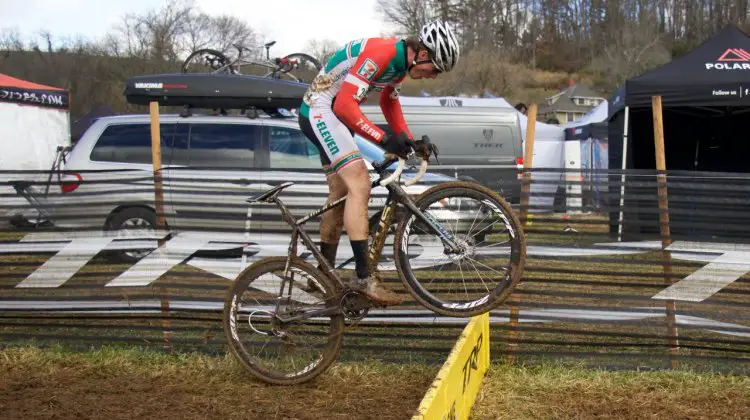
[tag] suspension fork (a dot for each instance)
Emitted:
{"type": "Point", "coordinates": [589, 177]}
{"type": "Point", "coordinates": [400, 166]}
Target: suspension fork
{"type": "Point", "coordinates": [376, 249]}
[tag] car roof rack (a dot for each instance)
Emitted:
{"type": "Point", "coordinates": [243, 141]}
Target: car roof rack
{"type": "Point", "coordinates": [249, 94]}
{"type": "Point", "coordinates": [252, 112]}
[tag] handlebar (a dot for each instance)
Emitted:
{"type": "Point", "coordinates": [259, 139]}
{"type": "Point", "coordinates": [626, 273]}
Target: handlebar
{"type": "Point", "coordinates": [390, 158]}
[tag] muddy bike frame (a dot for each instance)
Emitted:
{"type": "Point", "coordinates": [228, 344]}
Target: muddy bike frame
{"type": "Point", "coordinates": [396, 195]}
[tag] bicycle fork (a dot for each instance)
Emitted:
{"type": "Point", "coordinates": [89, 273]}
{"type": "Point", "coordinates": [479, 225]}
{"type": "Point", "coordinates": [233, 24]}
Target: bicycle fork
{"type": "Point", "coordinates": [449, 242]}
{"type": "Point", "coordinates": [376, 249]}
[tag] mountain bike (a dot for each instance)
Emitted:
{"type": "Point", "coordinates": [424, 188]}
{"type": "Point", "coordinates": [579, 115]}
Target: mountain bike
{"type": "Point", "coordinates": [299, 67]}
{"type": "Point", "coordinates": [284, 318]}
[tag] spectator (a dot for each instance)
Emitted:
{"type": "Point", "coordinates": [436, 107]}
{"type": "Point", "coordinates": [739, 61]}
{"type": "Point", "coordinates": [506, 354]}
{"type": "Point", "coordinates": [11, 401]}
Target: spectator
{"type": "Point", "coordinates": [522, 108]}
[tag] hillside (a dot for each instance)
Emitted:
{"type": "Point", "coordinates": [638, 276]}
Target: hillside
{"type": "Point", "coordinates": [525, 85]}
{"type": "Point", "coordinates": [96, 79]}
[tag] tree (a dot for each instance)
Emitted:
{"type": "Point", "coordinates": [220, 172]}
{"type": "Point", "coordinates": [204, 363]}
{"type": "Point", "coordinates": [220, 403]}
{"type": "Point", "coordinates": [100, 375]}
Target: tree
{"type": "Point", "coordinates": [178, 29]}
{"type": "Point", "coordinates": [10, 40]}
{"type": "Point", "coordinates": [407, 15]}
{"type": "Point", "coordinates": [321, 49]}
{"type": "Point", "coordinates": [638, 48]}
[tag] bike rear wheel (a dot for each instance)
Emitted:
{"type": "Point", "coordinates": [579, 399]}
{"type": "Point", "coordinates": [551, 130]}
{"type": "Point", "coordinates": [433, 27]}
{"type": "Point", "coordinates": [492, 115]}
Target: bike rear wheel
{"type": "Point", "coordinates": [299, 67]}
{"type": "Point", "coordinates": [479, 278]}
{"type": "Point", "coordinates": [258, 330]}
{"type": "Point", "coordinates": [206, 60]}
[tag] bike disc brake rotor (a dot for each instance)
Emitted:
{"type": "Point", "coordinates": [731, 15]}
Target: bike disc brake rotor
{"type": "Point", "coordinates": [468, 248]}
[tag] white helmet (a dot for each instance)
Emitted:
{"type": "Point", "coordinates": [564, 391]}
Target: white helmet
{"type": "Point", "coordinates": [439, 39]}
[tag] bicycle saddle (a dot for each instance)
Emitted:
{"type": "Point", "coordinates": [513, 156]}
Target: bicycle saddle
{"type": "Point", "coordinates": [270, 44]}
{"type": "Point", "coordinates": [268, 196]}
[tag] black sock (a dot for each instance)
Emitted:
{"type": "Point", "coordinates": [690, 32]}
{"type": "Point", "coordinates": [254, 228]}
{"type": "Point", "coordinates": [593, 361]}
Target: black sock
{"type": "Point", "coordinates": [329, 252]}
{"type": "Point", "coordinates": [360, 258]}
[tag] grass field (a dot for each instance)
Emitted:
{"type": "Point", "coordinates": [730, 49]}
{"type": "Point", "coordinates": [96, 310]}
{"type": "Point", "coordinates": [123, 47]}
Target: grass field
{"type": "Point", "coordinates": [117, 383]}
{"type": "Point", "coordinates": [550, 392]}
{"type": "Point", "coordinates": [129, 384]}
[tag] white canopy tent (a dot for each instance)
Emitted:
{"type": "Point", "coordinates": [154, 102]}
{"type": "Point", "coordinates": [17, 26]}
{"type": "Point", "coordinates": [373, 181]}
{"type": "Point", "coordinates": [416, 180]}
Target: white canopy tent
{"type": "Point", "coordinates": [34, 121]}
{"type": "Point", "coordinates": [598, 114]}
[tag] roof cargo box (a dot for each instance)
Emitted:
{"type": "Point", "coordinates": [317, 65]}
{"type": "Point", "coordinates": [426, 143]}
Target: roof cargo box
{"type": "Point", "coordinates": [205, 90]}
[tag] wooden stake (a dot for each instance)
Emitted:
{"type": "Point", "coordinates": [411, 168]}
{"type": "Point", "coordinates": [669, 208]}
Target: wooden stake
{"type": "Point", "coordinates": [666, 240]}
{"type": "Point", "coordinates": [159, 206]}
{"type": "Point", "coordinates": [528, 159]}
{"type": "Point", "coordinates": [156, 159]}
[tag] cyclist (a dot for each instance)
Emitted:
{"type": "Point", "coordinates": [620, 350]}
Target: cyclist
{"type": "Point", "coordinates": [330, 115]}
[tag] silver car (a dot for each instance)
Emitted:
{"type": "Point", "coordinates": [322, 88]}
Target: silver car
{"type": "Point", "coordinates": [211, 164]}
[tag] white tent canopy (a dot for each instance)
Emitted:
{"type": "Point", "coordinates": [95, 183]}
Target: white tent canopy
{"type": "Point", "coordinates": [598, 114]}
{"type": "Point", "coordinates": [34, 121]}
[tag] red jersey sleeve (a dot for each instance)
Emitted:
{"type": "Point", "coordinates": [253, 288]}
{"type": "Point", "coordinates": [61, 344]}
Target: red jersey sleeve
{"type": "Point", "coordinates": [391, 107]}
{"type": "Point", "coordinates": [356, 86]}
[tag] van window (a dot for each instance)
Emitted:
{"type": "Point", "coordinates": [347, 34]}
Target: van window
{"type": "Point", "coordinates": [291, 149]}
{"type": "Point", "coordinates": [130, 143]}
{"type": "Point", "coordinates": [178, 139]}
{"type": "Point", "coordinates": [223, 145]}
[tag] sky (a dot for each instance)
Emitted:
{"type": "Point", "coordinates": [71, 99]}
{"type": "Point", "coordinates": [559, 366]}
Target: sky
{"type": "Point", "coordinates": [291, 23]}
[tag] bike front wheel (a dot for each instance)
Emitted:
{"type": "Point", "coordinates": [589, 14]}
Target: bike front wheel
{"type": "Point", "coordinates": [283, 324]}
{"type": "Point", "coordinates": [490, 264]}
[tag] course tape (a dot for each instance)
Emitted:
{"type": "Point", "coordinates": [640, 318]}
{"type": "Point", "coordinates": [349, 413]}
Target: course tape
{"type": "Point", "coordinates": [453, 392]}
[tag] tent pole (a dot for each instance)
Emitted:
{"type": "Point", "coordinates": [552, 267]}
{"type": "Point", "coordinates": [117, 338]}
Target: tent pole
{"type": "Point", "coordinates": [622, 178]}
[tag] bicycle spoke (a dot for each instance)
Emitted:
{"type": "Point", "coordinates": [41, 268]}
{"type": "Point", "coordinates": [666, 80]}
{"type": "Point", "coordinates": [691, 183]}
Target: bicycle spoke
{"type": "Point", "coordinates": [472, 261]}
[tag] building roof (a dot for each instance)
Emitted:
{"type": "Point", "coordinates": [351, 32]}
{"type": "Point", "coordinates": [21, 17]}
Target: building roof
{"type": "Point", "coordinates": [564, 101]}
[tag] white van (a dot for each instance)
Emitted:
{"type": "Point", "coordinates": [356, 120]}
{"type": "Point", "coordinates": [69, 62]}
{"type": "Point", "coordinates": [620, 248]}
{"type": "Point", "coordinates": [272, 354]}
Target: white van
{"type": "Point", "coordinates": [468, 136]}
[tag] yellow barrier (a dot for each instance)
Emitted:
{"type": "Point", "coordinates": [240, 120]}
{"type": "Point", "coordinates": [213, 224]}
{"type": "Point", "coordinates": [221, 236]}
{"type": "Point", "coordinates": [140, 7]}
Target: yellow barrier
{"type": "Point", "coordinates": [456, 386]}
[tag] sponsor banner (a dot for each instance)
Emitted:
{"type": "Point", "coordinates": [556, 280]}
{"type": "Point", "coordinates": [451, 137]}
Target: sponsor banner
{"type": "Point", "coordinates": [454, 391]}
{"type": "Point", "coordinates": [732, 59]}
{"type": "Point", "coordinates": [43, 98]}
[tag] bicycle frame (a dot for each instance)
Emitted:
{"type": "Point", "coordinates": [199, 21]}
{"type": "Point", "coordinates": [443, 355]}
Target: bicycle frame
{"type": "Point", "coordinates": [396, 195]}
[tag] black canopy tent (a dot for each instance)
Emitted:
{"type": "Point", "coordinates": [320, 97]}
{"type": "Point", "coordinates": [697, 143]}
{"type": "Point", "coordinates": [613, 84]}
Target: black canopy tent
{"type": "Point", "coordinates": [706, 104]}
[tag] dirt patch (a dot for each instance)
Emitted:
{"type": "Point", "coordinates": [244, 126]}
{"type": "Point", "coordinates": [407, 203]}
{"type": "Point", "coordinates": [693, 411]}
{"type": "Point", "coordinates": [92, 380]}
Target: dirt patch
{"type": "Point", "coordinates": [560, 393]}
{"type": "Point", "coordinates": [45, 384]}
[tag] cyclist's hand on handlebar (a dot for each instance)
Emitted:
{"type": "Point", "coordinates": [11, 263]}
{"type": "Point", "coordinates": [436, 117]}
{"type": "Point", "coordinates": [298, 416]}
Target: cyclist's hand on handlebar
{"type": "Point", "coordinates": [398, 144]}
{"type": "Point", "coordinates": [425, 148]}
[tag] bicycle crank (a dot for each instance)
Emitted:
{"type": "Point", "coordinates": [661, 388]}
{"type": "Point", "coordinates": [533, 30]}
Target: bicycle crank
{"type": "Point", "coordinates": [355, 305]}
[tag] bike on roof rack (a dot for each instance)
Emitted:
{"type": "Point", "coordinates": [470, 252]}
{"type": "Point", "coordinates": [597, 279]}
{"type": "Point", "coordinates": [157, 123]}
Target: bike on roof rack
{"type": "Point", "coordinates": [299, 67]}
